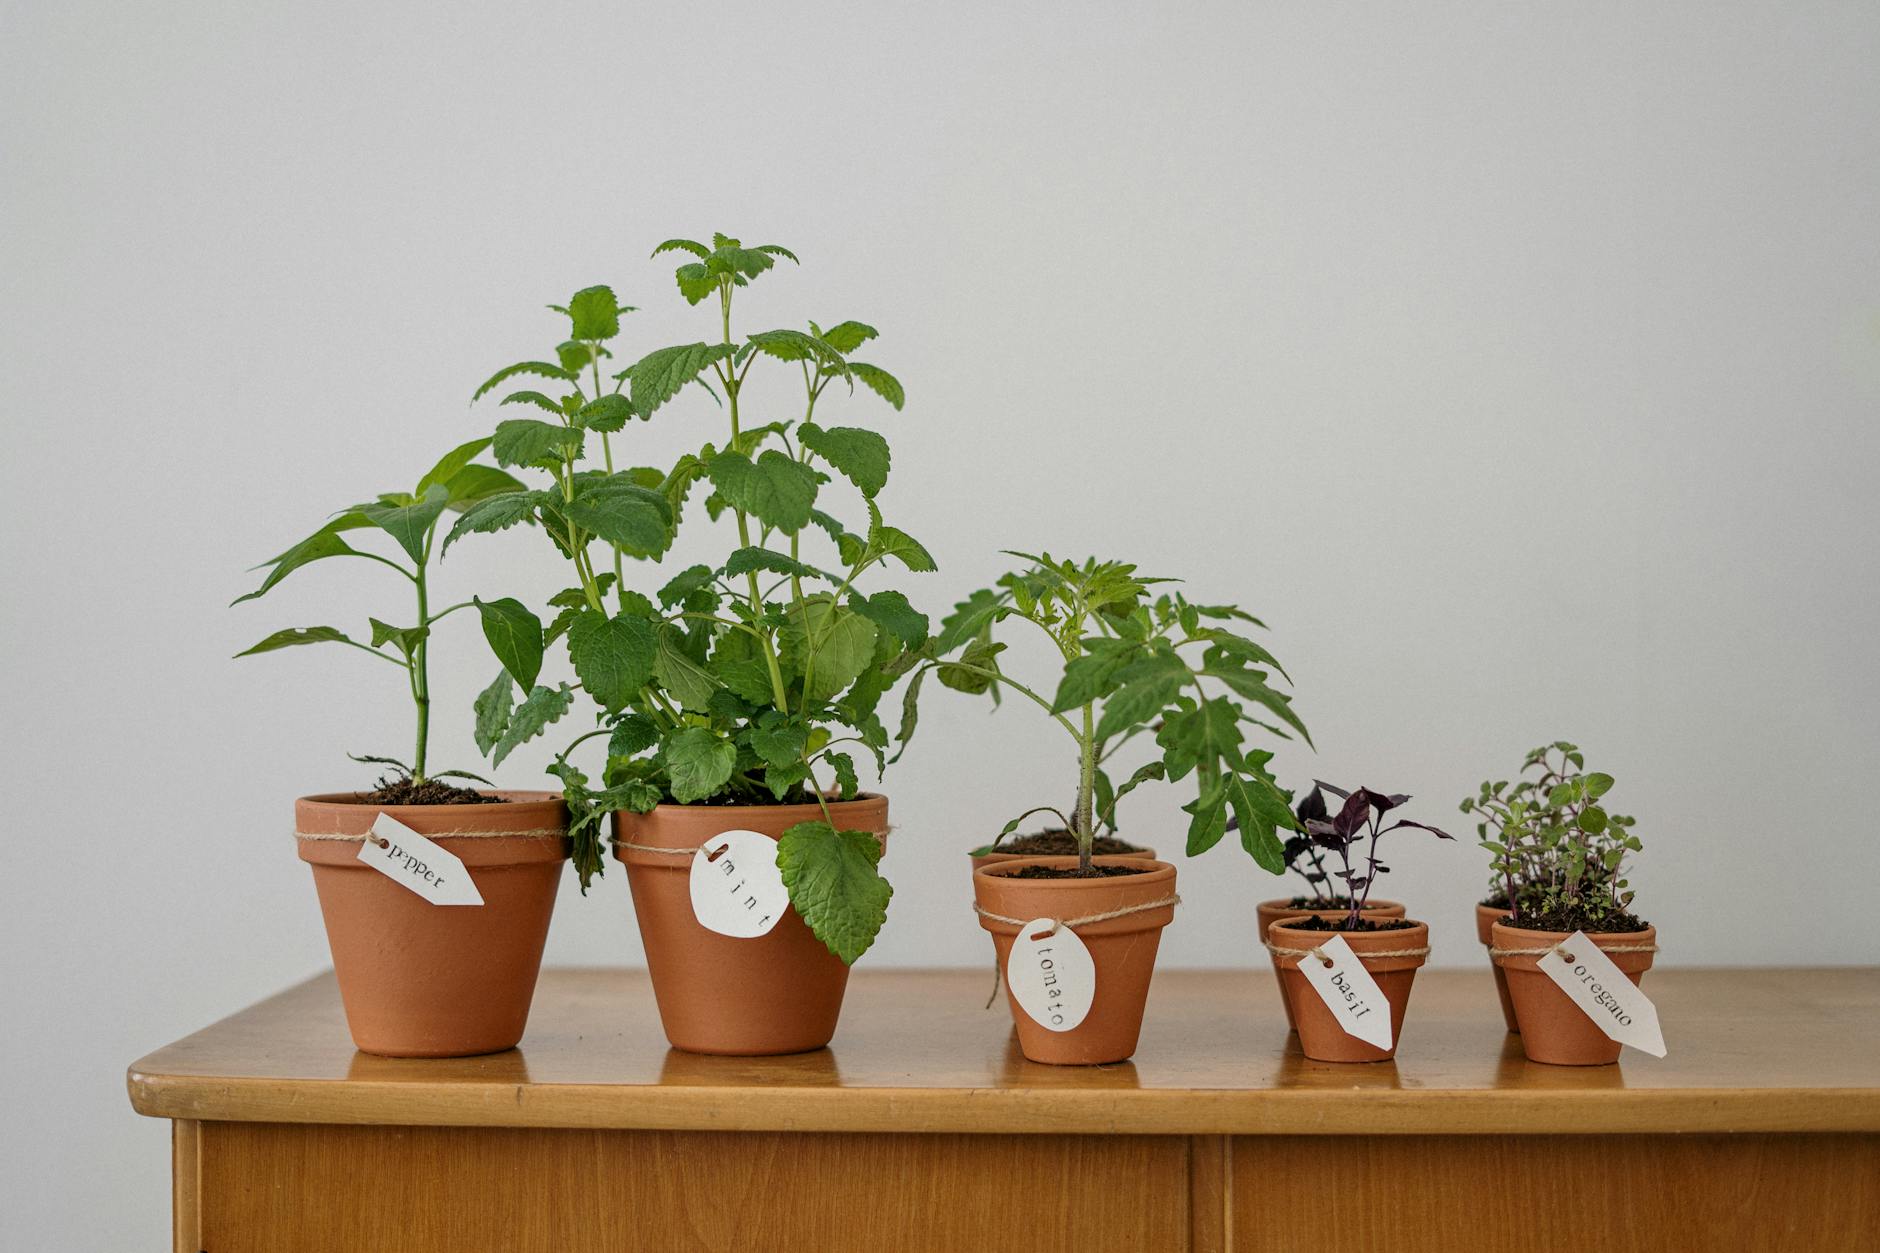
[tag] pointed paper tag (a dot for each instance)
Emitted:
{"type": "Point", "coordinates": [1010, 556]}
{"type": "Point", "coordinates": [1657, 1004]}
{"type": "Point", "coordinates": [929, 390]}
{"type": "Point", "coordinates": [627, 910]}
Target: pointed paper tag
{"type": "Point", "coordinates": [737, 889]}
{"type": "Point", "coordinates": [408, 859]}
{"type": "Point", "coordinates": [1594, 982]}
{"type": "Point", "coordinates": [1349, 991]}
{"type": "Point", "coordinates": [1051, 974]}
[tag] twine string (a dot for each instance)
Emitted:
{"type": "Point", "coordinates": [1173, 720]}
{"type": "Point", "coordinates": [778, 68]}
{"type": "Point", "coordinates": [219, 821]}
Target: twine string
{"type": "Point", "coordinates": [1559, 948]}
{"type": "Point", "coordinates": [1281, 951]}
{"type": "Point", "coordinates": [1087, 919]}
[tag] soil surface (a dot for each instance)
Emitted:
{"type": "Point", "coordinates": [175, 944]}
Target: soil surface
{"type": "Point", "coordinates": [1315, 902]}
{"type": "Point", "coordinates": [1572, 919]}
{"type": "Point", "coordinates": [1072, 872]}
{"type": "Point", "coordinates": [1313, 923]}
{"type": "Point", "coordinates": [405, 791]}
{"type": "Point", "coordinates": [1058, 844]}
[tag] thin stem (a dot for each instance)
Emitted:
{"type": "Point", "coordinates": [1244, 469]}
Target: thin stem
{"type": "Point", "coordinates": [1086, 787]}
{"type": "Point", "coordinates": [421, 672]}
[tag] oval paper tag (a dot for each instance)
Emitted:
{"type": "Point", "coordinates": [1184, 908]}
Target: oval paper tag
{"type": "Point", "coordinates": [737, 889]}
{"type": "Point", "coordinates": [1051, 975]}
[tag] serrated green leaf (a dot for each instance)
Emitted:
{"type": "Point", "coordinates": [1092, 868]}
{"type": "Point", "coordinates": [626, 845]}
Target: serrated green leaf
{"type": "Point", "coordinates": [605, 414]}
{"type": "Point", "coordinates": [683, 584]}
{"type": "Point", "coordinates": [633, 518]}
{"type": "Point", "coordinates": [515, 636]}
{"type": "Point", "coordinates": [847, 785]}
{"type": "Point", "coordinates": [828, 644]}
{"type": "Point", "coordinates": [889, 541]}
{"type": "Point", "coordinates": [494, 514]}
{"type": "Point", "coordinates": [634, 733]}
{"type": "Point", "coordinates": [776, 489]}
{"type": "Point", "coordinates": [1209, 817]}
{"type": "Point", "coordinates": [859, 455]}
{"type": "Point", "coordinates": [476, 483]}
{"type": "Point", "coordinates": [1254, 816]}
{"type": "Point", "coordinates": [547, 404]}
{"type": "Point", "coordinates": [660, 375]}
{"type": "Point", "coordinates": [835, 885]}
{"type": "Point", "coordinates": [745, 560]}
{"type": "Point", "coordinates": [542, 369]}
{"type": "Point", "coordinates": [492, 708]}
{"type": "Point", "coordinates": [530, 442]}
{"type": "Point", "coordinates": [846, 337]}
{"type": "Point", "coordinates": [892, 612]}
{"type": "Point", "coordinates": [1252, 685]}
{"type": "Point", "coordinates": [781, 742]}
{"type": "Point", "coordinates": [879, 381]}
{"type": "Point", "coordinates": [595, 313]}
{"type": "Point", "coordinates": [698, 764]}
{"type": "Point", "coordinates": [684, 245]}
{"type": "Point", "coordinates": [613, 657]}
{"type": "Point", "coordinates": [543, 706]}
{"type": "Point", "coordinates": [685, 680]}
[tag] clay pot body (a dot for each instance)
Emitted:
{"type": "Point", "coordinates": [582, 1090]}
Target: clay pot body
{"type": "Point", "coordinates": [1485, 918]}
{"type": "Point", "coordinates": [1269, 912]}
{"type": "Point", "coordinates": [1321, 1037]}
{"type": "Point", "coordinates": [424, 980]}
{"type": "Point", "coordinates": [1122, 949]}
{"type": "Point", "coordinates": [1553, 1029]}
{"type": "Point", "coordinates": [780, 992]}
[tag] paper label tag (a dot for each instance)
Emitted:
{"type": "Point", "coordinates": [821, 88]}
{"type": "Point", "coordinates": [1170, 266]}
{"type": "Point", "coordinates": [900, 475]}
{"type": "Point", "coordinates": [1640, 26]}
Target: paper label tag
{"type": "Point", "coordinates": [1051, 974]}
{"type": "Point", "coordinates": [737, 889]}
{"type": "Point", "coordinates": [408, 859]}
{"type": "Point", "coordinates": [1349, 991]}
{"type": "Point", "coordinates": [1604, 993]}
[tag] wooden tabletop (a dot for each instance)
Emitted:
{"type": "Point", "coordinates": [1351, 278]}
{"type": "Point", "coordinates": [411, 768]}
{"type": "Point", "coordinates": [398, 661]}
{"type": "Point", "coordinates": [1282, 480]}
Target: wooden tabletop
{"type": "Point", "coordinates": [1750, 1050]}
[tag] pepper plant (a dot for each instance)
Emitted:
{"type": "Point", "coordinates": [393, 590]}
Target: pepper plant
{"type": "Point", "coordinates": [1359, 820]}
{"type": "Point", "coordinates": [457, 483]}
{"type": "Point", "coordinates": [753, 680]}
{"type": "Point", "coordinates": [1132, 666]}
{"type": "Point", "coordinates": [1558, 855]}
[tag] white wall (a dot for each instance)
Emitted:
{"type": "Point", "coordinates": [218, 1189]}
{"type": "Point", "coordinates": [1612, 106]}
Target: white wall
{"type": "Point", "coordinates": [1520, 365]}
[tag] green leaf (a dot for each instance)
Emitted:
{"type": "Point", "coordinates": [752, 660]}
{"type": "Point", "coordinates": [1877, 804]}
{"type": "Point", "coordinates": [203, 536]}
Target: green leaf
{"type": "Point", "coordinates": [606, 414]}
{"type": "Point", "coordinates": [792, 345]}
{"type": "Point", "coordinates": [1254, 815]}
{"type": "Point", "coordinates": [780, 742]}
{"type": "Point", "coordinates": [835, 885]}
{"type": "Point", "coordinates": [879, 381]}
{"type": "Point", "coordinates": [828, 644]}
{"type": "Point", "coordinates": [1138, 703]}
{"type": "Point", "coordinates": [1090, 678]}
{"type": "Point", "coordinates": [495, 514]}
{"type": "Point", "coordinates": [405, 637]}
{"type": "Point", "coordinates": [776, 489]}
{"type": "Point", "coordinates": [476, 483]}
{"type": "Point", "coordinates": [322, 544]}
{"type": "Point", "coordinates": [1209, 821]}
{"type": "Point", "coordinates": [613, 657]}
{"type": "Point", "coordinates": [780, 779]}
{"type": "Point", "coordinates": [410, 524]}
{"type": "Point", "coordinates": [859, 455]}
{"type": "Point", "coordinates": [515, 636]}
{"type": "Point", "coordinates": [847, 785]}
{"type": "Point", "coordinates": [547, 404]}
{"type": "Point", "coordinates": [659, 375]}
{"type": "Point", "coordinates": [634, 733]}
{"type": "Point", "coordinates": [910, 712]}
{"type": "Point", "coordinates": [1252, 685]}
{"type": "Point", "coordinates": [595, 312]}
{"type": "Point", "coordinates": [698, 763]}
{"type": "Point", "coordinates": [1592, 820]}
{"type": "Point", "coordinates": [891, 612]}
{"type": "Point", "coordinates": [846, 337]}
{"type": "Point", "coordinates": [298, 635]}
{"type": "Point", "coordinates": [492, 707]}
{"type": "Point", "coordinates": [686, 680]}
{"type": "Point", "coordinates": [530, 442]}
{"type": "Point", "coordinates": [542, 707]}
{"type": "Point", "coordinates": [684, 245]}
{"type": "Point", "coordinates": [695, 282]}
{"type": "Point", "coordinates": [745, 560]}
{"type": "Point", "coordinates": [542, 369]}
{"type": "Point", "coordinates": [888, 541]}
{"type": "Point", "coordinates": [448, 465]}
{"type": "Point", "coordinates": [683, 584]}
{"type": "Point", "coordinates": [636, 519]}
{"type": "Point", "coordinates": [1597, 785]}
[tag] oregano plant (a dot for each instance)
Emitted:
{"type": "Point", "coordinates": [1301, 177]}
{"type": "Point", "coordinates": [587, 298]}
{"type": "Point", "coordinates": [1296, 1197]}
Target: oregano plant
{"type": "Point", "coordinates": [456, 484]}
{"type": "Point", "coordinates": [1557, 852]}
{"type": "Point", "coordinates": [1133, 666]}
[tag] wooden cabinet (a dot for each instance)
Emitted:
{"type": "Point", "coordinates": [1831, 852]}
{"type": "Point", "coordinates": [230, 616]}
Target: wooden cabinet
{"type": "Point", "coordinates": [923, 1128]}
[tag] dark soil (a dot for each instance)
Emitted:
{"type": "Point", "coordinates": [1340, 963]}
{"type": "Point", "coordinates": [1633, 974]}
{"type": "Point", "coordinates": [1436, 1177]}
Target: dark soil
{"type": "Point", "coordinates": [404, 791]}
{"type": "Point", "coordinates": [1072, 872]}
{"type": "Point", "coordinates": [1058, 844]}
{"type": "Point", "coordinates": [1313, 923]}
{"type": "Point", "coordinates": [1577, 919]}
{"type": "Point", "coordinates": [1498, 901]}
{"type": "Point", "coordinates": [1314, 902]}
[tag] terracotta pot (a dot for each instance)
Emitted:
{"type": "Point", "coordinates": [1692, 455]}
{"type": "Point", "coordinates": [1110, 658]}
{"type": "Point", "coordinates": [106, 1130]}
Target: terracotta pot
{"type": "Point", "coordinates": [1553, 1029]}
{"type": "Point", "coordinates": [424, 980]}
{"type": "Point", "coordinates": [780, 992]}
{"type": "Point", "coordinates": [1485, 919]}
{"type": "Point", "coordinates": [1269, 912]}
{"type": "Point", "coordinates": [1122, 949]}
{"type": "Point", "coordinates": [1321, 1038]}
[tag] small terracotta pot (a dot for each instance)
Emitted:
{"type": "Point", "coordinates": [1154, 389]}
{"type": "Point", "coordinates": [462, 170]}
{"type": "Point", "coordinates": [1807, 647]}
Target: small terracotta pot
{"type": "Point", "coordinates": [1269, 912]}
{"type": "Point", "coordinates": [1122, 949]}
{"type": "Point", "coordinates": [780, 992]}
{"type": "Point", "coordinates": [424, 980]}
{"type": "Point", "coordinates": [1485, 918]}
{"type": "Point", "coordinates": [1553, 1029]}
{"type": "Point", "coordinates": [1321, 1038]}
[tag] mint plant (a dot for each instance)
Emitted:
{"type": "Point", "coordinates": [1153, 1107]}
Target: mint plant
{"type": "Point", "coordinates": [457, 483]}
{"type": "Point", "coordinates": [1131, 666]}
{"type": "Point", "coordinates": [1360, 820]}
{"type": "Point", "coordinates": [754, 680]}
{"type": "Point", "coordinates": [1557, 854]}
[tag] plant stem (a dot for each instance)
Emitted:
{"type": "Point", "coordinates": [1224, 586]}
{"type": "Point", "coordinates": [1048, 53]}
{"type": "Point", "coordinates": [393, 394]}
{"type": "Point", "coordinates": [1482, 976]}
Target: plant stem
{"type": "Point", "coordinates": [1086, 788]}
{"type": "Point", "coordinates": [732, 384]}
{"type": "Point", "coordinates": [420, 670]}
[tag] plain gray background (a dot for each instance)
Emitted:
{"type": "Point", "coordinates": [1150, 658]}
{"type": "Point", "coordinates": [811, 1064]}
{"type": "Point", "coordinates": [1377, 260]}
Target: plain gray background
{"type": "Point", "coordinates": [1518, 364]}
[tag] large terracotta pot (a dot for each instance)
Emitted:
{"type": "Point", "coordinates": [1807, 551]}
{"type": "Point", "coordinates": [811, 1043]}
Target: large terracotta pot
{"type": "Point", "coordinates": [1320, 1036]}
{"type": "Point", "coordinates": [1122, 949]}
{"type": "Point", "coordinates": [1485, 918]}
{"type": "Point", "coordinates": [1553, 1029]}
{"type": "Point", "coordinates": [780, 992]}
{"type": "Point", "coordinates": [424, 980]}
{"type": "Point", "coordinates": [1266, 913]}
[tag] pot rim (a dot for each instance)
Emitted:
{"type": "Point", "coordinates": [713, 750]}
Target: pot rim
{"type": "Point", "coordinates": [1417, 934]}
{"type": "Point", "coordinates": [1006, 869]}
{"type": "Point", "coordinates": [1285, 905]}
{"type": "Point", "coordinates": [674, 807]}
{"type": "Point", "coordinates": [1600, 939]}
{"type": "Point", "coordinates": [1152, 875]}
{"type": "Point", "coordinates": [348, 801]}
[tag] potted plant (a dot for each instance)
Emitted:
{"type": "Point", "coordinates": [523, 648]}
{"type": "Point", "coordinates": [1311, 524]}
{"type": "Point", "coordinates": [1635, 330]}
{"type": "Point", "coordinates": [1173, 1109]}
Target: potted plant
{"type": "Point", "coordinates": [1132, 668]}
{"type": "Point", "coordinates": [1389, 950]}
{"type": "Point", "coordinates": [464, 975]}
{"type": "Point", "coordinates": [1305, 857]}
{"type": "Point", "coordinates": [733, 701]}
{"type": "Point", "coordinates": [1560, 856]}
